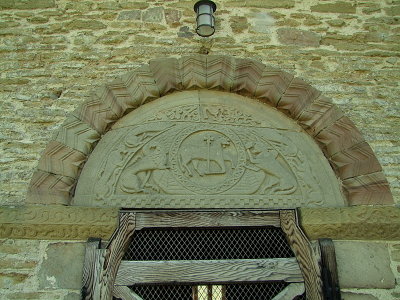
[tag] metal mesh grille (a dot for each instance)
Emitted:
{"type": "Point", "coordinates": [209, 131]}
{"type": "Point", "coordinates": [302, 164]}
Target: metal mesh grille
{"type": "Point", "coordinates": [207, 244]}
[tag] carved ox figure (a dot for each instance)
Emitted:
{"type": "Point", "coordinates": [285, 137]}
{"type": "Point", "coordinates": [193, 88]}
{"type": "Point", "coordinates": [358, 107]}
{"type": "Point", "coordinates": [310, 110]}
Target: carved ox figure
{"type": "Point", "coordinates": [200, 157]}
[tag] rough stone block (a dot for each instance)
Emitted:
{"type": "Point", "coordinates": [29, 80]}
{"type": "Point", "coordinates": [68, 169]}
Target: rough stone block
{"type": "Point", "coordinates": [363, 265]}
{"type": "Point", "coordinates": [85, 24]}
{"type": "Point", "coordinates": [172, 16]}
{"type": "Point", "coordinates": [9, 280]}
{"type": "Point", "coordinates": [289, 36]}
{"type": "Point", "coordinates": [262, 3]}
{"type": "Point", "coordinates": [337, 7]}
{"type": "Point", "coordinates": [62, 267]}
{"type": "Point", "coordinates": [130, 15]}
{"type": "Point", "coordinates": [72, 296]}
{"type": "Point", "coordinates": [27, 4]}
{"type": "Point", "coordinates": [154, 14]}
{"type": "Point", "coordinates": [357, 296]}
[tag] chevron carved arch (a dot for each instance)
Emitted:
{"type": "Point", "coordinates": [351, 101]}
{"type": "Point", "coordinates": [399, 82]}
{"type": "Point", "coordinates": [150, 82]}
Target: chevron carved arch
{"type": "Point", "coordinates": [349, 155]}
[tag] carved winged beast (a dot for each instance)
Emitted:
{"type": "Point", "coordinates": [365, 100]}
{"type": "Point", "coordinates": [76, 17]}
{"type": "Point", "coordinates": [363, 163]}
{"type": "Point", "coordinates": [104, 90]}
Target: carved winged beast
{"type": "Point", "coordinates": [277, 178]}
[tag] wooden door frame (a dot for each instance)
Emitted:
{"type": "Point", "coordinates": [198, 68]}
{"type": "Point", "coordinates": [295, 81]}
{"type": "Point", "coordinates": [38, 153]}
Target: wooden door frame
{"type": "Point", "coordinates": [102, 263]}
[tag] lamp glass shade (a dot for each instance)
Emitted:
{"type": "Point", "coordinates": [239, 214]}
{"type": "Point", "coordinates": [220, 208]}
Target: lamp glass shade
{"type": "Point", "coordinates": [205, 19]}
{"type": "Point", "coordinates": [204, 9]}
{"type": "Point", "coordinates": [205, 25]}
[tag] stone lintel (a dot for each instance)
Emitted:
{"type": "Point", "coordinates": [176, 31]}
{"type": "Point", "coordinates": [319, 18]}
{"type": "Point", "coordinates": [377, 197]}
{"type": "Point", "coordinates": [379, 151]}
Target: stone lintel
{"type": "Point", "coordinates": [352, 223]}
{"type": "Point", "coordinates": [80, 223]}
{"type": "Point", "coordinates": [57, 222]}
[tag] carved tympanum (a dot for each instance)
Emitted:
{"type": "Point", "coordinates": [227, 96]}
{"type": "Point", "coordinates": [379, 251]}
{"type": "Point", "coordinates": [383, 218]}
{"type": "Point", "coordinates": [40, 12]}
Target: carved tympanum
{"type": "Point", "coordinates": [349, 156]}
{"type": "Point", "coordinates": [207, 149]}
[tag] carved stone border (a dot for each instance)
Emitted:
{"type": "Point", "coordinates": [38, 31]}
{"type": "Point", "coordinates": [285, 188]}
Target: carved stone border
{"type": "Point", "coordinates": [350, 156]}
{"type": "Point", "coordinates": [80, 223]}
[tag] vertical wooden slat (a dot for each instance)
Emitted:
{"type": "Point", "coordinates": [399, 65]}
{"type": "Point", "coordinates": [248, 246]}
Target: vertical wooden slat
{"type": "Point", "coordinates": [92, 246]}
{"type": "Point", "coordinates": [304, 254]}
{"type": "Point", "coordinates": [195, 292]}
{"type": "Point", "coordinates": [330, 277]}
{"type": "Point", "coordinates": [109, 259]}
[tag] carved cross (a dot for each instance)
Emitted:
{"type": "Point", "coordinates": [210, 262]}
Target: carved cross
{"type": "Point", "coordinates": [208, 139]}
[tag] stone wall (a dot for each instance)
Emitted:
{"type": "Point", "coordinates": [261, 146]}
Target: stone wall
{"type": "Point", "coordinates": [31, 269]}
{"type": "Point", "coordinates": [53, 52]}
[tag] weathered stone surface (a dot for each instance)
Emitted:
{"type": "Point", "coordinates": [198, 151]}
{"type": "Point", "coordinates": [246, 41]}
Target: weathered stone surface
{"type": "Point", "coordinates": [29, 295]}
{"type": "Point", "coordinates": [128, 4]}
{"type": "Point", "coordinates": [172, 16]}
{"type": "Point", "coordinates": [336, 7]}
{"type": "Point", "coordinates": [336, 23]}
{"type": "Point", "coordinates": [62, 271]}
{"type": "Point", "coordinates": [360, 75]}
{"type": "Point", "coordinates": [356, 259]}
{"type": "Point", "coordinates": [14, 263]}
{"type": "Point", "coordinates": [10, 279]}
{"type": "Point", "coordinates": [352, 223]}
{"type": "Point", "coordinates": [393, 11]}
{"type": "Point", "coordinates": [85, 24]}
{"type": "Point", "coordinates": [185, 32]}
{"type": "Point", "coordinates": [261, 22]}
{"type": "Point", "coordinates": [72, 296]}
{"type": "Point", "coordinates": [298, 37]}
{"type": "Point", "coordinates": [54, 223]}
{"type": "Point", "coordinates": [262, 4]}
{"type": "Point", "coordinates": [226, 176]}
{"type": "Point", "coordinates": [238, 24]}
{"type": "Point", "coordinates": [27, 4]}
{"type": "Point", "coordinates": [357, 296]}
{"type": "Point", "coordinates": [395, 255]}
{"type": "Point", "coordinates": [154, 14]}
{"type": "Point", "coordinates": [130, 15]}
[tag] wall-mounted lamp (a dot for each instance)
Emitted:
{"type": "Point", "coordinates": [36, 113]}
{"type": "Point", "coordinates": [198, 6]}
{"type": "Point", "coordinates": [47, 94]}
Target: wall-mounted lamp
{"type": "Point", "coordinates": [205, 19]}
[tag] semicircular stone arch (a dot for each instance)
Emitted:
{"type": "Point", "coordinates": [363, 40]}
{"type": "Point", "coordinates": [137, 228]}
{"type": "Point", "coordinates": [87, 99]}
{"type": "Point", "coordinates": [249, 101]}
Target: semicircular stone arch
{"type": "Point", "coordinates": [358, 172]}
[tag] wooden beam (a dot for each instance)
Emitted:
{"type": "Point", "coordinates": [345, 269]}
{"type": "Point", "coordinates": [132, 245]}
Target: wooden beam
{"type": "Point", "coordinates": [108, 259]}
{"type": "Point", "coordinates": [306, 257]}
{"type": "Point", "coordinates": [125, 293]}
{"type": "Point", "coordinates": [329, 270]}
{"type": "Point", "coordinates": [291, 291]}
{"type": "Point", "coordinates": [210, 271]}
{"type": "Point", "coordinates": [207, 219]}
{"type": "Point", "coordinates": [92, 246]}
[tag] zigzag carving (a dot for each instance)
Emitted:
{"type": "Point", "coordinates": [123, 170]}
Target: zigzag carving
{"type": "Point", "coordinates": [141, 86]}
{"type": "Point", "coordinates": [368, 189]}
{"type": "Point", "coordinates": [341, 142]}
{"type": "Point", "coordinates": [318, 115]}
{"type": "Point", "coordinates": [235, 75]}
{"type": "Point", "coordinates": [194, 72]}
{"type": "Point", "coordinates": [247, 76]}
{"type": "Point", "coordinates": [339, 136]}
{"type": "Point", "coordinates": [272, 84]}
{"type": "Point", "coordinates": [100, 115]}
{"type": "Point", "coordinates": [356, 160]}
{"type": "Point", "coordinates": [77, 135]}
{"type": "Point", "coordinates": [219, 72]}
{"type": "Point", "coordinates": [167, 75]}
{"type": "Point", "coordinates": [62, 160]}
{"type": "Point", "coordinates": [47, 188]}
{"type": "Point", "coordinates": [297, 96]}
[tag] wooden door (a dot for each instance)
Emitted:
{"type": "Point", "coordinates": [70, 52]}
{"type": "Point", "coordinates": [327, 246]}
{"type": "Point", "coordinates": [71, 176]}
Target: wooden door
{"type": "Point", "coordinates": [124, 269]}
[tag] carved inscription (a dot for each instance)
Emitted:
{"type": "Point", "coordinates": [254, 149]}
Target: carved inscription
{"type": "Point", "coordinates": [210, 150]}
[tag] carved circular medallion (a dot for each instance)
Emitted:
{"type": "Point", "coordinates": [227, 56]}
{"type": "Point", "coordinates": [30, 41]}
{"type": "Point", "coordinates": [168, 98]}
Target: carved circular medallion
{"type": "Point", "coordinates": [207, 159]}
